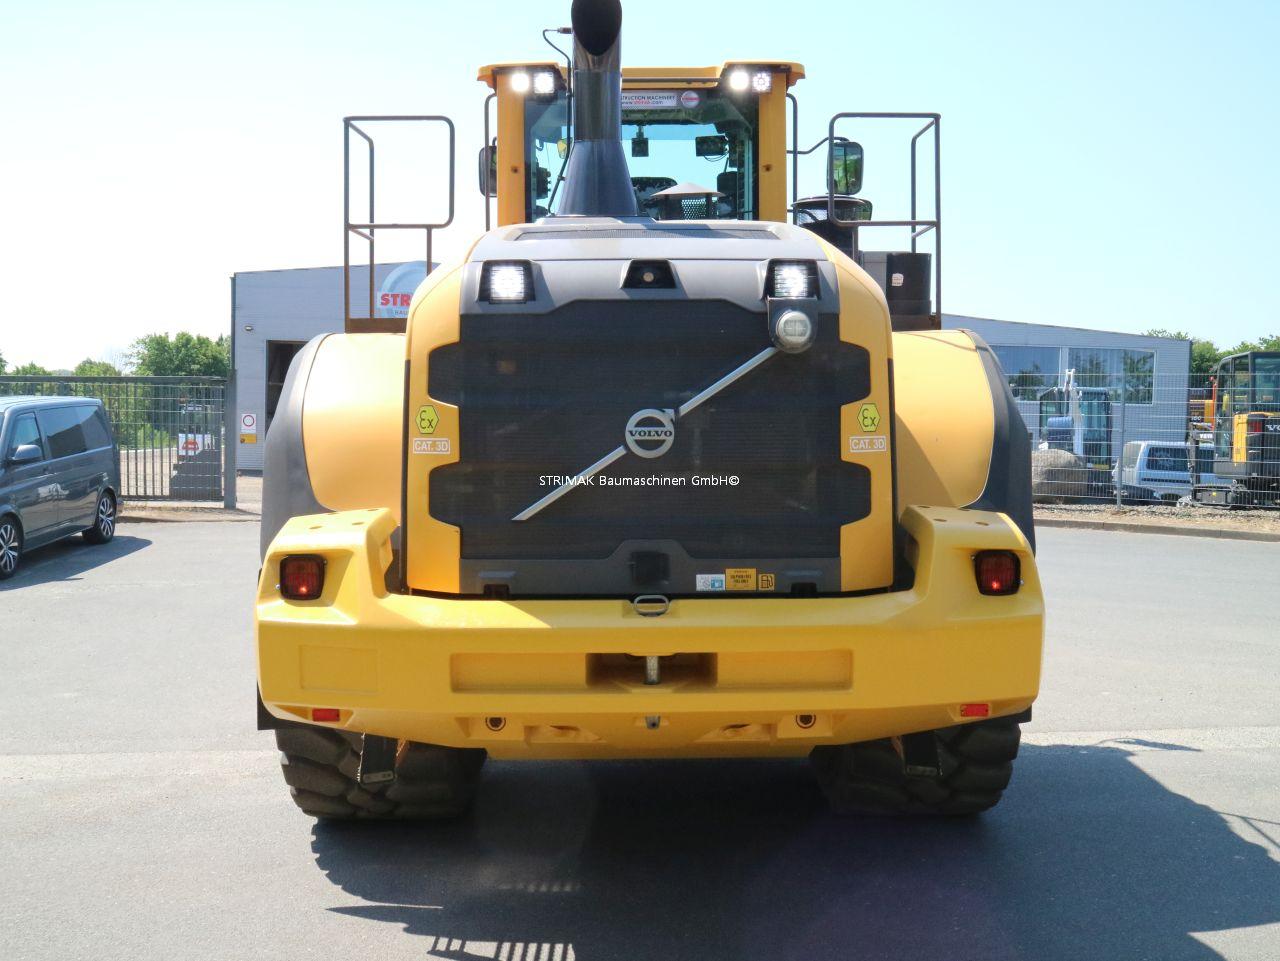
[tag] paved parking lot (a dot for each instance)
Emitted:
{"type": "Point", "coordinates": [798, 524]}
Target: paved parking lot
{"type": "Point", "coordinates": [144, 817]}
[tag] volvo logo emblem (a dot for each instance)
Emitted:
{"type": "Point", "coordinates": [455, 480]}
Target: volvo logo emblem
{"type": "Point", "coordinates": [650, 433]}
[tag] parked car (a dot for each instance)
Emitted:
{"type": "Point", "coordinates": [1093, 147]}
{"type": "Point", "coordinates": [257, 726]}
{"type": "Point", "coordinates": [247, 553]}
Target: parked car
{"type": "Point", "coordinates": [1154, 471]}
{"type": "Point", "coordinates": [59, 474]}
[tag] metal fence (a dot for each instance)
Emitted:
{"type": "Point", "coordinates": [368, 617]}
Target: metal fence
{"type": "Point", "coordinates": [1153, 439]}
{"type": "Point", "coordinates": [171, 430]}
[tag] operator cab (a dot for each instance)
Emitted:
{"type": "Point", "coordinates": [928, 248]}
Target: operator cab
{"type": "Point", "coordinates": [692, 152]}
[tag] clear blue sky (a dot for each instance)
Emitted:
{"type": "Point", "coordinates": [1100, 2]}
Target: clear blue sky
{"type": "Point", "coordinates": [1106, 164]}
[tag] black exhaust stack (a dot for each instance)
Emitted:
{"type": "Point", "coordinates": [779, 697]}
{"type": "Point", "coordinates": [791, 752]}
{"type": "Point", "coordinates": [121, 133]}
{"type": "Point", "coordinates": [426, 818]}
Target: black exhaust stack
{"type": "Point", "coordinates": [597, 181]}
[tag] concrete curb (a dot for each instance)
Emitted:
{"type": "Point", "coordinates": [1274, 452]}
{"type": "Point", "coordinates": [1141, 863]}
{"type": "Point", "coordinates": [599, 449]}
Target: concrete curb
{"type": "Point", "coordinates": [1188, 531]}
{"type": "Point", "coordinates": [189, 516]}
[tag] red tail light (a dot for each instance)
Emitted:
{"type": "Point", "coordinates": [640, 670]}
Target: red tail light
{"type": "Point", "coordinates": [326, 714]}
{"type": "Point", "coordinates": [302, 577]}
{"type": "Point", "coordinates": [998, 572]}
{"type": "Point", "coordinates": [1255, 425]}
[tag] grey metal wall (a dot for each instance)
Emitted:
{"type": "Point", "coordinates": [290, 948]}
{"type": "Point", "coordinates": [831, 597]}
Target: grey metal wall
{"type": "Point", "coordinates": [1170, 374]}
{"type": "Point", "coordinates": [286, 305]}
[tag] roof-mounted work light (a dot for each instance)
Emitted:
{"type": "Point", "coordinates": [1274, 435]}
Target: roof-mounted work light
{"type": "Point", "coordinates": [741, 80]}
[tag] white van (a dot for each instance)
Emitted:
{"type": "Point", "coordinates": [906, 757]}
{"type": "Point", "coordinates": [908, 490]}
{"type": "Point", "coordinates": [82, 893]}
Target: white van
{"type": "Point", "coordinates": [1152, 471]}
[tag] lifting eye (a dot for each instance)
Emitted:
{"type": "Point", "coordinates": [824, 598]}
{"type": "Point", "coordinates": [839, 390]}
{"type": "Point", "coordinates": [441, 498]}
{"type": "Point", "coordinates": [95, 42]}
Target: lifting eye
{"type": "Point", "coordinates": [649, 275]}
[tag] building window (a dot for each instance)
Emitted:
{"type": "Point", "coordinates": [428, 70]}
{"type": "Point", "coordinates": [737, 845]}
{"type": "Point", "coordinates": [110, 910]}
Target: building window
{"type": "Point", "coordinates": [1029, 369]}
{"type": "Point", "coordinates": [1127, 374]}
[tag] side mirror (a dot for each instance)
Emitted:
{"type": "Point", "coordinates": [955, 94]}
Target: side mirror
{"type": "Point", "coordinates": [844, 167]}
{"type": "Point", "coordinates": [488, 170]}
{"type": "Point", "coordinates": [713, 146]}
{"type": "Point", "coordinates": [26, 454]}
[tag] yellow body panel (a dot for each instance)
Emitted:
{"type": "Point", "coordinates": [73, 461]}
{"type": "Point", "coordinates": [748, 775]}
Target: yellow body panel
{"type": "Point", "coordinates": [431, 560]}
{"type": "Point", "coordinates": [945, 418]}
{"type": "Point", "coordinates": [554, 678]}
{"type": "Point", "coordinates": [771, 167]}
{"type": "Point", "coordinates": [1240, 439]}
{"type": "Point", "coordinates": [352, 421]}
{"type": "Point", "coordinates": [866, 428]}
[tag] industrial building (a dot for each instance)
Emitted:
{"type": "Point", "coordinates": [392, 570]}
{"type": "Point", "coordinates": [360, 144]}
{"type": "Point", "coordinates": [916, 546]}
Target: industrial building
{"type": "Point", "coordinates": [275, 312]}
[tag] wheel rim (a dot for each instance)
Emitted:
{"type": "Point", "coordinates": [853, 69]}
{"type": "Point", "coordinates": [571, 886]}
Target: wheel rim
{"type": "Point", "coordinates": [106, 516]}
{"type": "Point", "coordinates": [8, 548]}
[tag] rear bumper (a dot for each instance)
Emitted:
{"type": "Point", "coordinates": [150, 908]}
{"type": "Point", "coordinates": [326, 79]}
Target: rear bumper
{"type": "Point", "coordinates": [560, 678]}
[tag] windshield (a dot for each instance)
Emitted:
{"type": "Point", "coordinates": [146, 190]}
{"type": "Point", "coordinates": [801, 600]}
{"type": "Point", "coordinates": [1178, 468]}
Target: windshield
{"type": "Point", "coordinates": [1266, 379]}
{"type": "Point", "coordinates": [672, 138]}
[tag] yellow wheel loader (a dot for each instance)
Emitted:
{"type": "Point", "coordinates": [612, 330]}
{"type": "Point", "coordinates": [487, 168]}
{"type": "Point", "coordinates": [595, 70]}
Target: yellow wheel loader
{"type": "Point", "coordinates": [666, 465]}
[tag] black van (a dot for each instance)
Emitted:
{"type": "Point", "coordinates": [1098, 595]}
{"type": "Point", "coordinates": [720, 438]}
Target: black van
{"type": "Point", "coordinates": [59, 474]}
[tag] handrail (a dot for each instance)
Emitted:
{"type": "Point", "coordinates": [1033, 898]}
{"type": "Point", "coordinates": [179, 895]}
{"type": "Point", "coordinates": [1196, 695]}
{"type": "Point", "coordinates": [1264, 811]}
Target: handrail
{"type": "Point", "coordinates": [367, 230]}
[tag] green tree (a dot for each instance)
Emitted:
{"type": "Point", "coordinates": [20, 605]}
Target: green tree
{"type": "Point", "coordinates": [3, 365]}
{"type": "Point", "coordinates": [32, 370]}
{"type": "Point", "coordinates": [1204, 353]}
{"type": "Point", "coordinates": [96, 368]}
{"type": "Point", "coordinates": [182, 355]}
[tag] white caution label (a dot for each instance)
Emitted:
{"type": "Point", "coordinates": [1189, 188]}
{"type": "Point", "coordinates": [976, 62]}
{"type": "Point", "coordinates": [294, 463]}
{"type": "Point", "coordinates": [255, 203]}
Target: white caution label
{"type": "Point", "coordinates": [432, 445]}
{"type": "Point", "coordinates": [868, 445]}
{"type": "Point", "coordinates": [710, 582]}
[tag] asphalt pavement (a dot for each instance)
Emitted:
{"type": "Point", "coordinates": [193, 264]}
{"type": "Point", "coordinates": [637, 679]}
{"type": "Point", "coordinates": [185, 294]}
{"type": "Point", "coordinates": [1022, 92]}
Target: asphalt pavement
{"type": "Point", "coordinates": [142, 816]}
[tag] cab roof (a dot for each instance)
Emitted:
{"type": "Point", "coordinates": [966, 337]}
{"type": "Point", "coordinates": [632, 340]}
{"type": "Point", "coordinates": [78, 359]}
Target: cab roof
{"type": "Point", "coordinates": [657, 76]}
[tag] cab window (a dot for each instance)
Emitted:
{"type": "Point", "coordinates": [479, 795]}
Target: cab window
{"type": "Point", "coordinates": [704, 137]}
{"type": "Point", "coordinates": [24, 431]}
{"type": "Point", "coordinates": [62, 427]}
{"type": "Point", "coordinates": [1266, 380]}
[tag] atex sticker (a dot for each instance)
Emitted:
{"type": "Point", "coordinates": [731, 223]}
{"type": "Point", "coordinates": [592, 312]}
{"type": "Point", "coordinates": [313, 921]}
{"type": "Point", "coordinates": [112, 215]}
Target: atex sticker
{"type": "Point", "coordinates": [868, 445]}
{"type": "Point", "coordinates": [869, 417]}
{"type": "Point", "coordinates": [432, 445]}
{"type": "Point", "coordinates": [427, 419]}
{"type": "Point", "coordinates": [710, 582]}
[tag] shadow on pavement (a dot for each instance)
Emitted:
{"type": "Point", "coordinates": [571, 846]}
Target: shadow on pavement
{"type": "Point", "coordinates": [67, 559]}
{"type": "Point", "coordinates": [1087, 858]}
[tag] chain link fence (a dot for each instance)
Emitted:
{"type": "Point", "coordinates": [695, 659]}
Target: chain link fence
{"type": "Point", "coordinates": [1154, 439]}
{"type": "Point", "coordinates": [170, 430]}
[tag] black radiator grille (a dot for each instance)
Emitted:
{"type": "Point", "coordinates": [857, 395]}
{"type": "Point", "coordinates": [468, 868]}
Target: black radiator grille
{"type": "Point", "coordinates": [550, 394]}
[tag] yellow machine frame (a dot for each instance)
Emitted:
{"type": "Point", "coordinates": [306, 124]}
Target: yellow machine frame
{"type": "Point", "coordinates": [750, 675]}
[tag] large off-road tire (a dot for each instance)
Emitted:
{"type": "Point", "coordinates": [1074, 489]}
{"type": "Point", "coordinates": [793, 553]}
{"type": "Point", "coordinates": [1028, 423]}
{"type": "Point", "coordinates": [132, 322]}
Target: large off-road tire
{"type": "Point", "coordinates": [975, 761]}
{"type": "Point", "coordinates": [320, 767]}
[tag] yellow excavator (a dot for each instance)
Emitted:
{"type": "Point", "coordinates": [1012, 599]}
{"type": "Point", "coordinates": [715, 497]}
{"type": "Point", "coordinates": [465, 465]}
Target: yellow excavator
{"type": "Point", "coordinates": [664, 465]}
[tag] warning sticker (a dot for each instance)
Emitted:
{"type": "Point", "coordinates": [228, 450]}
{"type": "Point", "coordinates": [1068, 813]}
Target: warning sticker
{"type": "Point", "coordinates": [740, 578]}
{"type": "Point", "coordinates": [869, 417]}
{"type": "Point", "coordinates": [427, 419]}
{"type": "Point", "coordinates": [710, 582]}
{"type": "Point", "coordinates": [868, 445]}
{"type": "Point", "coordinates": [429, 445]}
{"type": "Point", "coordinates": [767, 582]}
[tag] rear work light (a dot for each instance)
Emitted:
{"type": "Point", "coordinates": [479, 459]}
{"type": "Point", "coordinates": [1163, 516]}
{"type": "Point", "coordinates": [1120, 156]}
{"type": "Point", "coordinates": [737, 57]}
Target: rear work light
{"type": "Point", "coordinates": [792, 278]}
{"type": "Point", "coordinates": [302, 577]}
{"type": "Point", "coordinates": [506, 282]}
{"type": "Point", "coordinates": [998, 572]}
